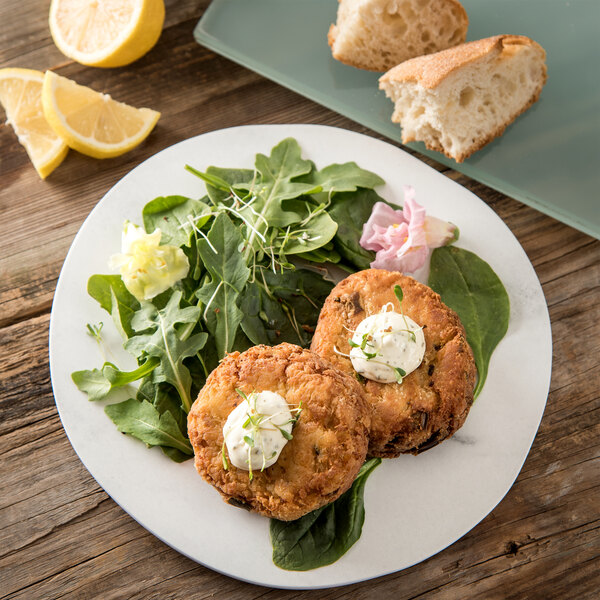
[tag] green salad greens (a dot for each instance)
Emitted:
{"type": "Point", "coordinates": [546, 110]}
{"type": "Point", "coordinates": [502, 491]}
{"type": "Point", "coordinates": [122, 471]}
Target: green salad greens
{"type": "Point", "coordinates": [256, 245]}
{"type": "Point", "coordinates": [324, 535]}
{"type": "Point", "coordinates": [469, 286]}
{"type": "Point", "coordinates": [256, 253]}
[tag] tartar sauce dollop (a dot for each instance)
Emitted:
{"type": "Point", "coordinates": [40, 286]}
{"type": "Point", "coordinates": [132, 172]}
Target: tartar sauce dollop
{"type": "Point", "coordinates": [253, 431]}
{"type": "Point", "coordinates": [387, 346]}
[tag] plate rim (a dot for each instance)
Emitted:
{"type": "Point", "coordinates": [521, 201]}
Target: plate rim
{"type": "Point", "coordinates": [54, 367]}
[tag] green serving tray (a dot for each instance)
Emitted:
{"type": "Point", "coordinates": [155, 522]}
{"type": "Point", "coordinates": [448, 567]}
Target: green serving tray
{"type": "Point", "coordinates": [549, 158]}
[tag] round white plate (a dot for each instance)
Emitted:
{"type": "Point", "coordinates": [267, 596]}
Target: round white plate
{"type": "Point", "coordinates": [415, 505]}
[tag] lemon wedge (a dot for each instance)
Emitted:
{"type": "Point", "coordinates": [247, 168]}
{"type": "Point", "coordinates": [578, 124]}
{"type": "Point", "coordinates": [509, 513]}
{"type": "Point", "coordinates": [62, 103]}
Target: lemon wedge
{"type": "Point", "coordinates": [91, 122]}
{"type": "Point", "coordinates": [21, 97]}
{"type": "Point", "coordinates": [106, 33]}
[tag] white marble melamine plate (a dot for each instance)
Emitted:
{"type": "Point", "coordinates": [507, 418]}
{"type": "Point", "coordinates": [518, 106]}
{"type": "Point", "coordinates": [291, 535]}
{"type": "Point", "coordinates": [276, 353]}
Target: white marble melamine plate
{"type": "Point", "coordinates": [415, 505]}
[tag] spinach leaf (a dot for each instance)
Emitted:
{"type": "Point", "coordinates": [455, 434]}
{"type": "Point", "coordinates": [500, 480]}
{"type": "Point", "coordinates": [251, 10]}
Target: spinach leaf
{"type": "Point", "coordinates": [172, 214]}
{"type": "Point", "coordinates": [112, 295]}
{"type": "Point", "coordinates": [276, 321]}
{"type": "Point", "coordinates": [304, 290]}
{"type": "Point", "coordinates": [324, 535]}
{"type": "Point", "coordinates": [251, 306]}
{"type": "Point", "coordinates": [98, 383]}
{"type": "Point", "coordinates": [231, 177]}
{"type": "Point", "coordinates": [229, 274]}
{"type": "Point", "coordinates": [317, 232]}
{"type": "Point", "coordinates": [345, 177]}
{"type": "Point", "coordinates": [142, 420]}
{"type": "Point", "coordinates": [469, 286]}
{"type": "Point", "coordinates": [350, 211]}
{"type": "Point", "coordinates": [160, 337]}
{"type": "Point", "coordinates": [283, 307]}
{"type": "Point", "coordinates": [321, 255]}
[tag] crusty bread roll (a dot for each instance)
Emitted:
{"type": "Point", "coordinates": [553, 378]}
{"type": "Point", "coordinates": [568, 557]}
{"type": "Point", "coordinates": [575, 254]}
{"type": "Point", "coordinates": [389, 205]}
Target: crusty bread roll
{"type": "Point", "coordinates": [378, 34]}
{"type": "Point", "coordinates": [458, 100]}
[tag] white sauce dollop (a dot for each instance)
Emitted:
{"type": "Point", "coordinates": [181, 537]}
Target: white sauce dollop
{"type": "Point", "coordinates": [395, 340]}
{"type": "Point", "coordinates": [270, 413]}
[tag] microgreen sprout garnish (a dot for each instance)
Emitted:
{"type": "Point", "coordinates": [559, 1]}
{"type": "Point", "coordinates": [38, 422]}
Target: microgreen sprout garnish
{"type": "Point", "coordinates": [284, 433]}
{"type": "Point", "coordinates": [95, 331]}
{"type": "Point", "coordinates": [255, 424]}
{"type": "Point", "coordinates": [240, 393]}
{"type": "Point", "coordinates": [366, 338]}
{"type": "Point", "coordinates": [400, 374]}
{"type": "Point", "coordinates": [224, 457]}
{"type": "Point", "coordinates": [399, 294]}
{"type": "Point", "coordinates": [339, 352]}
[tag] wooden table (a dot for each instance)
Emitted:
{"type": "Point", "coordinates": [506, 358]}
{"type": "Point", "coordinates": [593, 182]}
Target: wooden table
{"type": "Point", "coordinates": [62, 536]}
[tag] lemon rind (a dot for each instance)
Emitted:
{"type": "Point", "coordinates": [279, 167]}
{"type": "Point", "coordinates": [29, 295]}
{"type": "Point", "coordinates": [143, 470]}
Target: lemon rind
{"type": "Point", "coordinates": [45, 165]}
{"type": "Point", "coordinates": [131, 44]}
{"type": "Point", "coordinates": [89, 145]}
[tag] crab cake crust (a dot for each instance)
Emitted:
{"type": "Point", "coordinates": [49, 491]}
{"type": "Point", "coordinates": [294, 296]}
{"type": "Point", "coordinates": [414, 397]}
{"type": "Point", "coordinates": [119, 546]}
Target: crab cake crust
{"type": "Point", "coordinates": [433, 401]}
{"type": "Point", "coordinates": [330, 438]}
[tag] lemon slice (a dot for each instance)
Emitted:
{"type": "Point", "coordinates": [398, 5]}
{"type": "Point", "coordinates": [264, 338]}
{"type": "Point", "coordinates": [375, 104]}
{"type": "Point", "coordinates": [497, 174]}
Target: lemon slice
{"type": "Point", "coordinates": [106, 33]}
{"type": "Point", "coordinates": [91, 122]}
{"type": "Point", "coordinates": [21, 97]}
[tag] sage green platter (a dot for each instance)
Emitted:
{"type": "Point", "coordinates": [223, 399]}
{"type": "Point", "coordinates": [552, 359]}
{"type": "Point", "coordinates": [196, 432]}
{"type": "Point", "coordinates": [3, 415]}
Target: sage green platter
{"type": "Point", "coordinates": [549, 158]}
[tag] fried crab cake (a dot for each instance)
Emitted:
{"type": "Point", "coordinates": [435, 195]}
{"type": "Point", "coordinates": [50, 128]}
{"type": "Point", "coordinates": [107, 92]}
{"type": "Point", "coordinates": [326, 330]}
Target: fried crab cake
{"type": "Point", "coordinates": [431, 402]}
{"type": "Point", "coordinates": [328, 442]}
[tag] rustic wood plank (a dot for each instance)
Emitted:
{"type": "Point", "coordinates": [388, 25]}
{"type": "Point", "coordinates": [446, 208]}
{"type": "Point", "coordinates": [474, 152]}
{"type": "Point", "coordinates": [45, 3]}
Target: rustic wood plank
{"type": "Point", "coordinates": [176, 72]}
{"type": "Point", "coordinates": [62, 536]}
{"type": "Point", "coordinates": [28, 43]}
{"type": "Point", "coordinates": [552, 494]}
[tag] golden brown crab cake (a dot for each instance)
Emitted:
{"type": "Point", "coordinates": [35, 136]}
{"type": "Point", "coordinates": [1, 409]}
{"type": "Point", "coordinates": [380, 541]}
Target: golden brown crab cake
{"type": "Point", "coordinates": [433, 401]}
{"type": "Point", "coordinates": [329, 439]}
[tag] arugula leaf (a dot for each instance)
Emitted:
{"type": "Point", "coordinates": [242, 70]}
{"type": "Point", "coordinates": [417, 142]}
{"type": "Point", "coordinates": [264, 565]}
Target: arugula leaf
{"type": "Point", "coordinates": [324, 535]}
{"type": "Point", "coordinates": [112, 295]}
{"type": "Point", "coordinates": [276, 184]}
{"type": "Point", "coordinates": [221, 314]}
{"type": "Point", "coordinates": [142, 420]}
{"type": "Point", "coordinates": [346, 177]}
{"type": "Point", "coordinates": [229, 273]}
{"type": "Point", "coordinates": [159, 337]}
{"type": "Point", "coordinates": [469, 286]}
{"type": "Point", "coordinates": [172, 214]}
{"type": "Point", "coordinates": [279, 169]}
{"type": "Point", "coordinates": [226, 264]}
{"type": "Point", "coordinates": [164, 398]}
{"type": "Point", "coordinates": [98, 383]}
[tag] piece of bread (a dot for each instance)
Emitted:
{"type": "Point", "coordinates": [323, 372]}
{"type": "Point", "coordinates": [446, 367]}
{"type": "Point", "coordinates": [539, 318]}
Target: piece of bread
{"type": "Point", "coordinates": [378, 34]}
{"type": "Point", "coordinates": [458, 100]}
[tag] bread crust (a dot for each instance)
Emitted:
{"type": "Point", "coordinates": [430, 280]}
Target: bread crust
{"type": "Point", "coordinates": [387, 59]}
{"type": "Point", "coordinates": [431, 70]}
{"type": "Point", "coordinates": [433, 401]}
{"type": "Point", "coordinates": [329, 442]}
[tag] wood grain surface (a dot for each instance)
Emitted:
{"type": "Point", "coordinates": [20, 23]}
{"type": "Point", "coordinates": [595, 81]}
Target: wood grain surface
{"type": "Point", "coordinates": [61, 536]}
